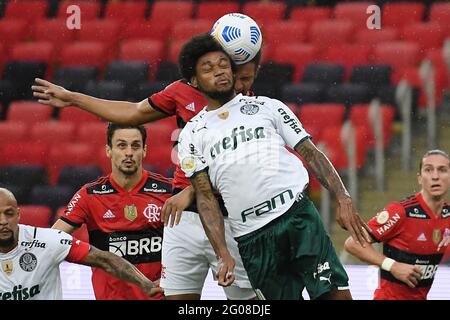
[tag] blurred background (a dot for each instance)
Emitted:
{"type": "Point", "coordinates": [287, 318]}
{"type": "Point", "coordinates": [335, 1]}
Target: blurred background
{"type": "Point", "coordinates": [373, 99]}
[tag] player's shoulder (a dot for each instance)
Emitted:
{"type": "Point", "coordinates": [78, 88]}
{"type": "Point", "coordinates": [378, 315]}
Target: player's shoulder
{"type": "Point", "coordinates": [181, 84]}
{"type": "Point", "coordinates": [157, 183]}
{"type": "Point", "coordinates": [196, 120]}
{"type": "Point", "coordinates": [101, 186]}
{"type": "Point", "coordinates": [43, 237]}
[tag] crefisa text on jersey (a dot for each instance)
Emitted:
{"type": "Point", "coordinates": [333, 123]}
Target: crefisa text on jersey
{"type": "Point", "coordinates": [226, 309]}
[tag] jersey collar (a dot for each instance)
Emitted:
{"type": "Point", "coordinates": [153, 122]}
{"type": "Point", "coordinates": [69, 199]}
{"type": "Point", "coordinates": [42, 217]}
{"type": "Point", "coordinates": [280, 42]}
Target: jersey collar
{"type": "Point", "coordinates": [136, 188]}
{"type": "Point", "coordinates": [227, 105]}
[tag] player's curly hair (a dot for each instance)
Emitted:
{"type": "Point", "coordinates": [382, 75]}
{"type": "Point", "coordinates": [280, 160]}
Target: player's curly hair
{"type": "Point", "coordinates": [195, 48]}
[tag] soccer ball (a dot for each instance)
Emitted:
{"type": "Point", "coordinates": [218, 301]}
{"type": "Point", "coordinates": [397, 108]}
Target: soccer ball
{"type": "Point", "coordinates": [239, 35]}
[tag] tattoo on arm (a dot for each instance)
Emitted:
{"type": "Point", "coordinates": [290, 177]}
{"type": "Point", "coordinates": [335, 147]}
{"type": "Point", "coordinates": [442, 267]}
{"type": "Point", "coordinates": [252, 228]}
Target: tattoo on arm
{"type": "Point", "coordinates": [322, 168]}
{"type": "Point", "coordinates": [209, 210]}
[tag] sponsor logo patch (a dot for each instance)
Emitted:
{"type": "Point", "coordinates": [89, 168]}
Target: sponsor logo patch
{"type": "Point", "coordinates": [28, 262]}
{"type": "Point", "coordinates": [382, 217]}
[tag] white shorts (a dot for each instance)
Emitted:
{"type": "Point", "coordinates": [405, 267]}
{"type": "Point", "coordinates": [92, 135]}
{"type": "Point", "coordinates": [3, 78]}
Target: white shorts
{"type": "Point", "coordinates": [187, 256]}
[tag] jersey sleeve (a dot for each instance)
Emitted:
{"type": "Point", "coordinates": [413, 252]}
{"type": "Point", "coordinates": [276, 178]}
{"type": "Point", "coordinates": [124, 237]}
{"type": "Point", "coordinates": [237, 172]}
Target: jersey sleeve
{"type": "Point", "coordinates": [78, 251]}
{"type": "Point", "coordinates": [77, 209]}
{"type": "Point", "coordinates": [164, 100]}
{"type": "Point", "coordinates": [60, 244]}
{"type": "Point", "coordinates": [288, 125]}
{"type": "Point", "coordinates": [388, 223]}
{"type": "Point", "coordinates": [190, 157]}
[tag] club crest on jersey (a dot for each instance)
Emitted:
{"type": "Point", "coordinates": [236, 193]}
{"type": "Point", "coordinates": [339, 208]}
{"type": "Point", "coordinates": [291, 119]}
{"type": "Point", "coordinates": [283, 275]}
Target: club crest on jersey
{"type": "Point", "coordinates": [152, 212]}
{"type": "Point", "coordinates": [7, 267]}
{"type": "Point", "coordinates": [436, 236]}
{"type": "Point", "coordinates": [188, 164]}
{"type": "Point", "coordinates": [249, 109]}
{"type": "Point", "coordinates": [130, 212]}
{"type": "Point", "coordinates": [223, 115]}
{"type": "Point", "coordinates": [28, 262]}
{"type": "Point", "coordinates": [382, 217]}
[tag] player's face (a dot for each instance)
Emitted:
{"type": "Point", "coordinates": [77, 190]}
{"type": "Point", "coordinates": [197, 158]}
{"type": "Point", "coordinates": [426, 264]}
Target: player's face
{"type": "Point", "coordinates": [214, 76]}
{"type": "Point", "coordinates": [9, 219]}
{"type": "Point", "coordinates": [127, 151]}
{"type": "Point", "coordinates": [245, 76]}
{"type": "Point", "coordinates": [435, 175]}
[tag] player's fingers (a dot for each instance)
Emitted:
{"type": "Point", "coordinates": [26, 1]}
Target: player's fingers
{"type": "Point", "coordinates": [178, 217]}
{"type": "Point", "coordinates": [38, 88]}
{"type": "Point", "coordinates": [173, 212]}
{"type": "Point", "coordinates": [41, 95]}
{"type": "Point", "coordinates": [165, 213]}
{"type": "Point", "coordinates": [410, 284]}
{"type": "Point", "coordinates": [47, 102]}
{"type": "Point", "coordinates": [43, 82]}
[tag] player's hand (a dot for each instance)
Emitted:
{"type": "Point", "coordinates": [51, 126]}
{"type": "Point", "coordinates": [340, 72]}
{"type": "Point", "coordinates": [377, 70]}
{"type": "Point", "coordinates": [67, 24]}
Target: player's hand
{"type": "Point", "coordinates": [51, 94]}
{"type": "Point", "coordinates": [407, 273]}
{"type": "Point", "coordinates": [151, 289]}
{"type": "Point", "coordinates": [350, 220]}
{"type": "Point", "coordinates": [225, 274]}
{"type": "Point", "coordinates": [444, 243]}
{"type": "Point", "coordinates": [174, 206]}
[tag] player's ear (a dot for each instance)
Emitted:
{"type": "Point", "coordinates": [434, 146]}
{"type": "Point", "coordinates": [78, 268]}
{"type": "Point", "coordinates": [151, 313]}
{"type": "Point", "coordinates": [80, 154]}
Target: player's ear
{"type": "Point", "coordinates": [108, 151]}
{"type": "Point", "coordinates": [145, 151]}
{"type": "Point", "coordinates": [194, 82]}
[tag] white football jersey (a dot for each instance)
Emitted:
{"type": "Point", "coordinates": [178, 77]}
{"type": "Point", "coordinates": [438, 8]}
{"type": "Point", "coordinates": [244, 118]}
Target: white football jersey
{"type": "Point", "coordinates": [31, 270]}
{"type": "Point", "coordinates": [243, 146]}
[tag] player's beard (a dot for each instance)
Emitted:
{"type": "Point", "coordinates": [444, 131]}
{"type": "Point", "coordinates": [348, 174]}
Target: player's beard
{"type": "Point", "coordinates": [8, 242]}
{"type": "Point", "coordinates": [222, 96]}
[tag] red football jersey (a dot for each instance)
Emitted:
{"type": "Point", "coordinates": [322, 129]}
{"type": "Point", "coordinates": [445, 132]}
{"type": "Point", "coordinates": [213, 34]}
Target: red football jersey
{"type": "Point", "coordinates": [125, 223]}
{"type": "Point", "coordinates": [410, 233]}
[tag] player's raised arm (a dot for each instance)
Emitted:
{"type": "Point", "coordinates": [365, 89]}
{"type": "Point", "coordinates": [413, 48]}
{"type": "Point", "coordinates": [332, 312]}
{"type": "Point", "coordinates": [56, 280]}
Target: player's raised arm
{"type": "Point", "coordinates": [120, 112]}
{"type": "Point", "coordinates": [121, 269]}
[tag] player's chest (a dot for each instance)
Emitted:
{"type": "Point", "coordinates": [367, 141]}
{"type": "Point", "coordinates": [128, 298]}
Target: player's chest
{"type": "Point", "coordinates": [424, 235]}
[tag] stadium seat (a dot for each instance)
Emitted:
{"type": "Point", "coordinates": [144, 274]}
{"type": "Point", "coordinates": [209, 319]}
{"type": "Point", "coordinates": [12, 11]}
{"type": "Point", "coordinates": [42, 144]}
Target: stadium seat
{"type": "Point", "coordinates": [102, 161]}
{"type": "Point", "coordinates": [359, 115]}
{"type": "Point", "coordinates": [29, 112]}
{"type": "Point", "coordinates": [372, 37]}
{"type": "Point", "coordinates": [349, 94]}
{"type": "Point", "coordinates": [21, 75]}
{"type": "Point", "coordinates": [149, 30]}
{"type": "Point", "coordinates": [54, 31]}
{"type": "Point", "coordinates": [148, 51]}
{"type": "Point", "coordinates": [354, 12]}
{"type": "Point", "coordinates": [285, 31]}
{"type": "Point", "coordinates": [161, 133]}
{"type": "Point", "coordinates": [310, 14]}
{"type": "Point", "coordinates": [77, 116]}
{"type": "Point", "coordinates": [35, 215]}
{"type": "Point", "coordinates": [51, 196]}
{"type": "Point", "coordinates": [90, 10]}
{"type": "Point", "coordinates": [347, 55]}
{"type": "Point", "coordinates": [171, 12]}
{"type": "Point", "coordinates": [326, 33]}
{"type": "Point", "coordinates": [61, 155]}
{"type": "Point", "coordinates": [52, 132]}
{"type": "Point", "coordinates": [402, 13]}
{"type": "Point", "coordinates": [298, 55]}
{"type": "Point", "coordinates": [42, 51]}
{"type": "Point", "coordinates": [399, 54]}
{"type": "Point", "coordinates": [159, 158]}
{"type": "Point", "coordinates": [101, 31]}
{"type": "Point", "coordinates": [427, 35]}
{"type": "Point", "coordinates": [184, 30]}
{"type": "Point", "coordinates": [13, 131]}
{"type": "Point", "coordinates": [373, 75]}
{"type": "Point", "coordinates": [440, 13]}
{"type": "Point", "coordinates": [324, 73]}
{"type": "Point", "coordinates": [271, 77]}
{"type": "Point", "coordinates": [81, 233]}
{"type": "Point", "coordinates": [301, 93]}
{"type": "Point", "coordinates": [174, 51]}
{"type": "Point", "coordinates": [77, 176]}
{"type": "Point", "coordinates": [213, 10]}
{"type": "Point", "coordinates": [93, 133]}
{"type": "Point", "coordinates": [20, 193]}
{"type": "Point", "coordinates": [25, 176]}
{"type": "Point", "coordinates": [13, 31]}
{"type": "Point", "coordinates": [167, 71]}
{"type": "Point", "coordinates": [258, 11]}
{"type": "Point", "coordinates": [75, 78]}
{"type": "Point", "coordinates": [146, 89]}
{"type": "Point", "coordinates": [84, 54]}
{"type": "Point", "coordinates": [126, 12]}
{"type": "Point", "coordinates": [30, 11]}
{"type": "Point", "coordinates": [24, 153]}
{"type": "Point", "coordinates": [109, 90]}
{"type": "Point", "coordinates": [129, 73]}
{"type": "Point", "coordinates": [316, 117]}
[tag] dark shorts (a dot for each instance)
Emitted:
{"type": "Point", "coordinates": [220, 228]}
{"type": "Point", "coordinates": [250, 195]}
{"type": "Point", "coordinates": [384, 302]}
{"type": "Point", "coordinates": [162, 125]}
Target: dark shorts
{"type": "Point", "coordinates": [290, 253]}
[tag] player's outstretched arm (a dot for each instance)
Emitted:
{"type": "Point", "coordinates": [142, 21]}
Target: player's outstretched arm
{"type": "Point", "coordinates": [212, 220]}
{"type": "Point", "coordinates": [121, 269]}
{"type": "Point", "coordinates": [347, 217]}
{"type": "Point", "coordinates": [121, 112]}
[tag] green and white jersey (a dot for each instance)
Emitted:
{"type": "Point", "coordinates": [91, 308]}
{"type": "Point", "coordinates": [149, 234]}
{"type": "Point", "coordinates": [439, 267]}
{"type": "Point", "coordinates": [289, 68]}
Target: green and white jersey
{"type": "Point", "coordinates": [243, 146]}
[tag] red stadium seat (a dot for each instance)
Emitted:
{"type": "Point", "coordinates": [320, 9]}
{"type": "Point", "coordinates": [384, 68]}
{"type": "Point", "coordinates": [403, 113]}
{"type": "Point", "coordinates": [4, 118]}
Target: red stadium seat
{"type": "Point", "coordinates": [373, 37]}
{"type": "Point", "coordinates": [31, 11]}
{"type": "Point", "coordinates": [171, 12]}
{"type": "Point", "coordinates": [102, 161]}
{"type": "Point", "coordinates": [402, 13]}
{"type": "Point", "coordinates": [326, 33]}
{"type": "Point", "coordinates": [37, 216]}
{"type": "Point", "coordinates": [310, 14]}
{"type": "Point", "coordinates": [3, 57]}
{"type": "Point", "coordinates": [42, 51]}
{"type": "Point", "coordinates": [427, 35]}
{"type": "Point", "coordinates": [13, 131]}
{"type": "Point", "coordinates": [28, 112]}
{"type": "Point", "coordinates": [84, 54]}
{"type": "Point", "coordinates": [81, 233]}
{"type": "Point", "coordinates": [316, 117]}
{"type": "Point", "coordinates": [126, 12]}
{"type": "Point", "coordinates": [162, 133]}
{"type": "Point", "coordinates": [285, 31]}
{"type": "Point", "coordinates": [90, 10]}
{"type": "Point", "coordinates": [106, 31]}
{"type": "Point", "coordinates": [184, 30]}
{"type": "Point", "coordinates": [174, 50]}
{"type": "Point", "coordinates": [359, 115]}
{"type": "Point", "coordinates": [151, 30]}
{"type": "Point", "coordinates": [52, 132]}
{"type": "Point", "coordinates": [66, 154]}
{"type": "Point", "coordinates": [148, 51]}
{"type": "Point", "coordinates": [53, 30]}
{"type": "Point", "coordinates": [298, 55]}
{"type": "Point", "coordinates": [93, 133]}
{"type": "Point", "coordinates": [399, 54]}
{"type": "Point", "coordinates": [77, 116]}
{"type": "Point", "coordinates": [13, 31]}
{"type": "Point", "coordinates": [440, 13]}
{"type": "Point", "coordinates": [160, 158]}
{"type": "Point", "coordinates": [24, 153]}
{"type": "Point", "coordinates": [259, 11]}
{"type": "Point", "coordinates": [347, 55]}
{"type": "Point", "coordinates": [354, 12]}
{"type": "Point", "coordinates": [213, 10]}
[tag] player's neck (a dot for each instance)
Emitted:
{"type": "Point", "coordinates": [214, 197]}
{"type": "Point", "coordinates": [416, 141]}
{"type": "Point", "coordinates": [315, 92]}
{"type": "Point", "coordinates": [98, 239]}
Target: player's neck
{"type": "Point", "coordinates": [214, 104]}
{"type": "Point", "coordinates": [127, 182]}
{"type": "Point", "coordinates": [435, 203]}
